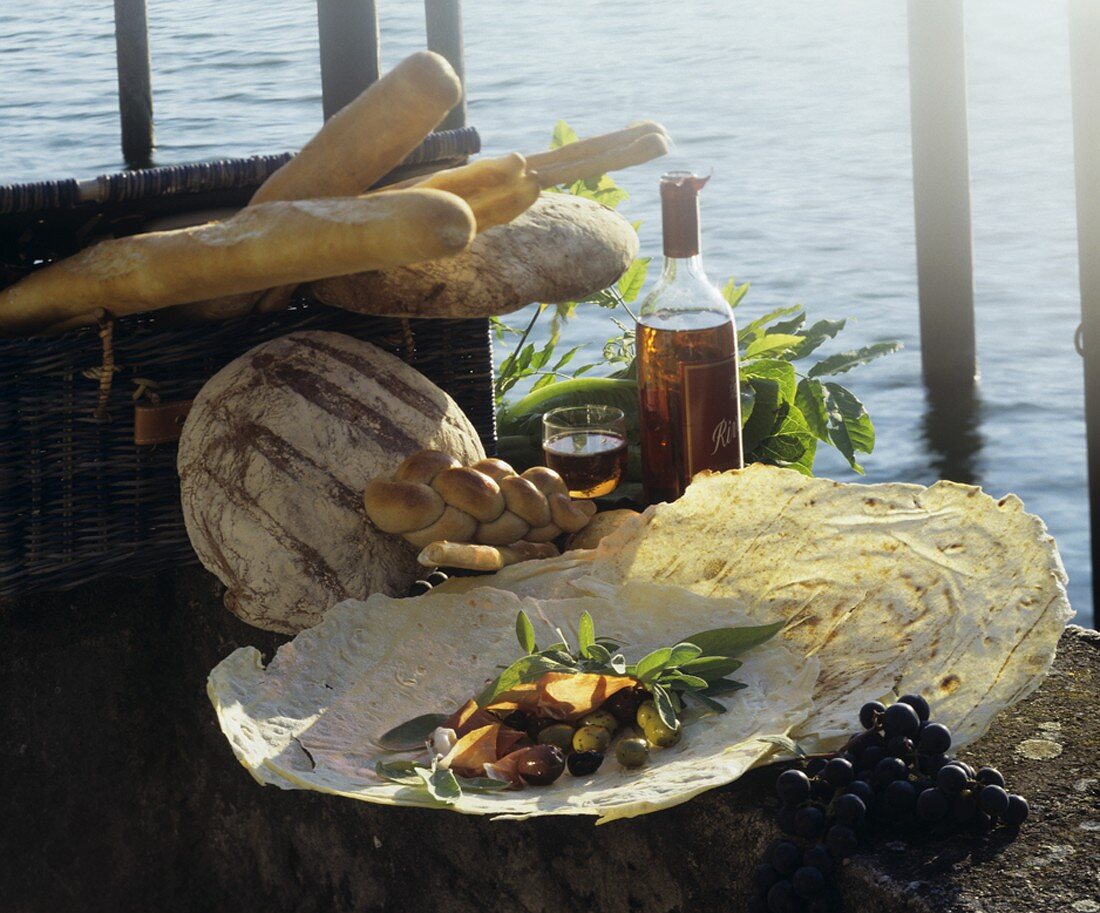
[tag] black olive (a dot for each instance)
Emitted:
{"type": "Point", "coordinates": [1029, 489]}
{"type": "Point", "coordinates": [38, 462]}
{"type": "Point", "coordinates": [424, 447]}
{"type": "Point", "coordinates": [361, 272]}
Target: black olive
{"type": "Point", "coordinates": [584, 763]}
{"type": "Point", "coordinates": [541, 765]}
{"type": "Point", "coordinates": [517, 719]}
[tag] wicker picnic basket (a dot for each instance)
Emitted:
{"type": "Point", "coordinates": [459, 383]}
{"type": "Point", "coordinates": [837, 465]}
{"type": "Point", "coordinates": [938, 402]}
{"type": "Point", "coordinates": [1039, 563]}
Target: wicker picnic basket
{"type": "Point", "coordinates": [80, 498]}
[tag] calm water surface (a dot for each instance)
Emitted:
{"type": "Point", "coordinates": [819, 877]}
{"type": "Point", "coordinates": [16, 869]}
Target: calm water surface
{"type": "Point", "coordinates": [802, 111]}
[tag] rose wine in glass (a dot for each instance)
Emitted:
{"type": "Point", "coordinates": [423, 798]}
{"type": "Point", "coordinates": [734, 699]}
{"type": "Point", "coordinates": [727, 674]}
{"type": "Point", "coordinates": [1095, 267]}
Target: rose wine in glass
{"type": "Point", "coordinates": [586, 446]}
{"type": "Point", "coordinates": [689, 396]}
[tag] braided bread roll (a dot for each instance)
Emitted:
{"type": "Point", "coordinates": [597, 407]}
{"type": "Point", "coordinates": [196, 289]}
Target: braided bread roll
{"type": "Point", "coordinates": [431, 497]}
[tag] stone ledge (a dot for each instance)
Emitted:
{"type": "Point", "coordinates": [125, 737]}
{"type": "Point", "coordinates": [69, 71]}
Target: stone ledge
{"type": "Point", "coordinates": [121, 794]}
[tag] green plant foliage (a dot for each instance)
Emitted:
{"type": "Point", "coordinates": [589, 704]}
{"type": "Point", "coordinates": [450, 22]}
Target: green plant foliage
{"type": "Point", "coordinates": [787, 408]}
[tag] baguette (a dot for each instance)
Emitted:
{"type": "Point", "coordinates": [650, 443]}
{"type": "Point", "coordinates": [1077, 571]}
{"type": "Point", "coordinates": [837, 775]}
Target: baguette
{"type": "Point", "coordinates": [643, 149]}
{"type": "Point", "coordinates": [594, 145]}
{"type": "Point", "coordinates": [356, 147]}
{"type": "Point", "coordinates": [283, 242]}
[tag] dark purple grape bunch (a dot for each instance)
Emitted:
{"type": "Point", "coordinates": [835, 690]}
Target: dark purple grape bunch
{"type": "Point", "coordinates": [895, 774]}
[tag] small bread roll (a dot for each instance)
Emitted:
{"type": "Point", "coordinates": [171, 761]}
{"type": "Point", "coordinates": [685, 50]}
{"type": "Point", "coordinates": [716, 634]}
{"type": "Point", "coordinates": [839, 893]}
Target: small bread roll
{"type": "Point", "coordinates": [455, 525]}
{"type": "Point", "coordinates": [471, 491]}
{"type": "Point", "coordinates": [544, 533]}
{"type": "Point", "coordinates": [397, 507]}
{"type": "Point", "coordinates": [504, 530]}
{"type": "Point", "coordinates": [494, 468]}
{"type": "Point", "coordinates": [546, 480]}
{"type": "Point", "coordinates": [423, 466]}
{"type": "Point", "coordinates": [522, 498]}
{"type": "Point", "coordinates": [568, 514]}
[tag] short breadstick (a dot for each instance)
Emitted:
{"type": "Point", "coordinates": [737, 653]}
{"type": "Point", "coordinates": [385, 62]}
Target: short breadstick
{"type": "Point", "coordinates": [399, 507]}
{"type": "Point", "coordinates": [594, 145]}
{"type": "Point", "coordinates": [277, 243]}
{"type": "Point", "coordinates": [482, 557]}
{"type": "Point", "coordinates": [641, 150]}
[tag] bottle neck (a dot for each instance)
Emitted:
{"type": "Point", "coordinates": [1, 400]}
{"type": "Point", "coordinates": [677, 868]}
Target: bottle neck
{"type": "Point", "coordinates": [683, 268]}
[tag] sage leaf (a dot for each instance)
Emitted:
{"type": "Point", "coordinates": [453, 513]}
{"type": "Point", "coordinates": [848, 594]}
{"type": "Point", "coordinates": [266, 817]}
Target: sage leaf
{"type": "Point", "coordinates": [682, 653]}
{"type": "Point", "coordinates": [524, 669]}
{"type": "Point", "coordinates": [401, 772]}
{"type": "Point", "coordinates": [482, 784]}
{"type": "Point", "coordinates": [708, 702]}
{"type": "Point", "coordinates": [600, 654]}
{"type": "Point", "coordinates": [665, 710]}
{"type": "Point", "coordinates": [586, 634]}
{"type": "Point", "coordinates": [412, 734]}
{"type": "Point", "coordinates": [650, 665]}
{"type": "Point", "coordinates": [441, 784]}
{"type": "Point", "coordinates": [788, 744]}
{"type": "Point", "coordinates": [711, 667]}
{"type": "Point", "coordinates": [845, 361]}
{"type": "Point", "coordinates": [734, 641]}
{"type": "Point", "coordinates": [680, 681]}
{"type": "Point", "coordinates": [525, 633]}
{"type": "Point", "coordinates": [723, 686]}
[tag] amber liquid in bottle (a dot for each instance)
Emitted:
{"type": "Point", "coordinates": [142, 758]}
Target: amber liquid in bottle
{"type": "Point", "coordinates": [686, 346]}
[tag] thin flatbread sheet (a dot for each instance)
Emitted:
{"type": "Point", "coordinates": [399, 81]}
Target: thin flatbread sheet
{"type": "Point", "coordinates": [309, 720]}
{"type": "Point", "coordinates": [895, 588]}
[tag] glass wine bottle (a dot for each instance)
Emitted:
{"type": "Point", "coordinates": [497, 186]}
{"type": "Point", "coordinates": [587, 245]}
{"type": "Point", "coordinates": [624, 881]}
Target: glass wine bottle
{"type": "Point", "coordinates": [690, 404]}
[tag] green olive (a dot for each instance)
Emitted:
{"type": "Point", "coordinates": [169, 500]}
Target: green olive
{"type": "Point", "coordinates": [646, 713]}
{"type": "Point", "coordinates": [591, 738]}
{"type": "Point", "coordinates": [632, 752]}
{"type": "Point", "coordinates": [657, 733]}
{"type": "Point", "coordinates": [557, 734]}
{"type": "Point", "coordinates": [601, 718]}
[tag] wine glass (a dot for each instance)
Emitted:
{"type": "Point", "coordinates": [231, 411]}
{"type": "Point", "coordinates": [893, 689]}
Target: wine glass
{"type": "Point", "coordinates": [586, 446]}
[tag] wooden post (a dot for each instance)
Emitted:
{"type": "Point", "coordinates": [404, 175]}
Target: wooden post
{"type": "Point", "coordinates": [941, 194]}
{"type": "Point", "coordinates": [444, 26]}
{"type": "Point", "coordinates": [1084, 46]}
{"type": "Point", "coordinates": [350, 50]}
{"type": "Point", "coordinates": [135, 91]}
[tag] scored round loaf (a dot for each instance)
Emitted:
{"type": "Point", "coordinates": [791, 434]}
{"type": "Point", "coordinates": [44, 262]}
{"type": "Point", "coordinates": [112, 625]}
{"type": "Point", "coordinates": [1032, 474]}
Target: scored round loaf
{"type": "Point", "coordinates": [471, 491]}
{"type": "Point", "coordinates": [522, 498]}
{"type": "Point", "coordinates": [423, 466]}
{"type": "Point", "coordinates": [273, 461]}
{"type": "Point", "coordinates": [396, 507]}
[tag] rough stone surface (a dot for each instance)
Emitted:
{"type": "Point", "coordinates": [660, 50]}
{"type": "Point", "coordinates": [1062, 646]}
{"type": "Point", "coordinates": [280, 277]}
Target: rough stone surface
{"type": "Point", "coordinates": [120, 794]}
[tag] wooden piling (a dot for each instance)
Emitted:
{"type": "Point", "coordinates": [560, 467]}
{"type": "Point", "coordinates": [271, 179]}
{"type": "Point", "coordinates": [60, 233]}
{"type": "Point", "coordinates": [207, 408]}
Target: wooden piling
{"type": "Point", "coordinates": [350, 50]}
{"type": "Point", "coordinates": [941, 194]}
{"type": "Point", "coordinates": [443, 19]}
{"type": "Point", "coordinates": [1084, 37]}
{"type": "Point", "coordinates": [135, 89]}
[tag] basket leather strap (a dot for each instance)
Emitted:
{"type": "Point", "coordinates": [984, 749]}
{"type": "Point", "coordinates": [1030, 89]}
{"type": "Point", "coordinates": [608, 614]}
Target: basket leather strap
{"type": "Point", "coordinates": [160, 424]}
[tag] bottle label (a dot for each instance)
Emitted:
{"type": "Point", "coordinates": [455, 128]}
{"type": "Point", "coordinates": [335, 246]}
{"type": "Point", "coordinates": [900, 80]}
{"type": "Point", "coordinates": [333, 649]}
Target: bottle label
{"type": "Point", "coordinates": [712, 416]}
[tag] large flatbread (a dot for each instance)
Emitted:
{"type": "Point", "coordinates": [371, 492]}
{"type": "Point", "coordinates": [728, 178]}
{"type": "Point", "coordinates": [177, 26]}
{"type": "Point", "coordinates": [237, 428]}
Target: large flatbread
{"type": "Point", "coordinates": [895, 588]}
{"type": "Point", "coordinates": [309, 720]}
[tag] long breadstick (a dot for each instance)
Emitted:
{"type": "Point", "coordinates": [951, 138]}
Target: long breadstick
{"type": "Point", "coordinates": [282, 242]}
{"type": "Point", "coordinates": [594, 145]}
{"type": "Point", "coordinates": [482, 557]}
{"type": "Point", "coordinates": [650, 146]}
{"type": "Point", "coordinates": [356, 146]}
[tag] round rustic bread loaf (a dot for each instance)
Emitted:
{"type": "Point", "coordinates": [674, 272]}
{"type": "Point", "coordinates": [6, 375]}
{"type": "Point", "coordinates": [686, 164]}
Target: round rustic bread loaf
{"type": "Point", "coordinates": [273, 461]}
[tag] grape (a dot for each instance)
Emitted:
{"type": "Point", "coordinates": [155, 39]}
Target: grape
{"type": "Point", "coordinates": [758, 903]}
{"type": "Point", "coordinates": [1017, 811]}
{"type": "Point", "coordinates": [981, 823]}
{"type": "Point", "coordinates": [899, 798]}
{"type": "Point", "coordinates": [918, 703]}
{"type": "Point", "coordinates": [849, 810]}
{"type": "Point", "coordinates": [931, 764]}
{"type": "Point", "coordinates": [785, 818]}
{"type": "Point", "coordinates": [889, 769]}
{"type": "Point", "coordinates": [900, 746]}
{"type": "Point", "coordinates": [860, 788]}
{"type": "Point", "coordinates": [990, 776]}
{"type": "Point", "coordinates": [841, 841]}
{"type": "Point", "coordinates": [993, 800]}
{"type": "Point", "coordinates": [765, 876]}
{"type": "Point", "coordinates": [951, 778]}
{"type": "Point", "coordinates": [900, 719]}
{"type": "Point", "coordinates": [964, 808]}
{"type": "Point", "coordinates": [838, 772]}
{"type": "Point", "coordinates": [809, 822]}
{"type": "Point", "coordinates": [815, 766]}
{"type": "Point", "coordinates": [782, 898]}
{"type": "Point", "coordinates": [808, 882]}
{"type": "Point", "coordinates": [821, 790]}
{"type": "Point", "coordinates": [819, 858]}
{"type": "Point", "coordinates": [786, 857]}
{"type": "Point", "coordinates": [933, 805]}
{"type": "Point", "coordinates": [869, 713]}
{"type": "Point", "coordinates": [871, 757]}
{"type": "Point", "coordinates": [966, 767]}
{"type": "Point", "coordinates": [793, 786]}
{"type": "Point", "coordinates": [827, 901]}
{"type": "Point", "coordinates": [935, 739]}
